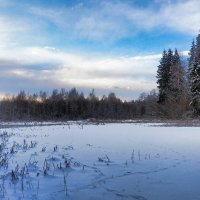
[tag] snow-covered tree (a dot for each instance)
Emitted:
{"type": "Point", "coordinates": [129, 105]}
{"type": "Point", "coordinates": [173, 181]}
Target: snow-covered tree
{"type": "Point", "coordinates": [194, 75]}
{"type": "Point", "coordinates": [176, 80]}
{"type": "Point", "coordinates": [171, 84]}
{"type": "Point", "coordinates": [192, 55]}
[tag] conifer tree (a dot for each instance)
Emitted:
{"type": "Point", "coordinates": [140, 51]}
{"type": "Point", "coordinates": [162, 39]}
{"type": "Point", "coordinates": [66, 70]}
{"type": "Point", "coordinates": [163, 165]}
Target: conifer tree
{"type": "Point", "coordinates": [194, 69]}
{"type": "Point", "coordinates": [163, 77]}
{"type": "Point", "coordinates": [177, 81]}
{"type": "Point", "coordinates": [190, 66]}
{"type": "Point", "coordinates": [171, 84]}
{"type": "Point", "coordinates": [192, 55]}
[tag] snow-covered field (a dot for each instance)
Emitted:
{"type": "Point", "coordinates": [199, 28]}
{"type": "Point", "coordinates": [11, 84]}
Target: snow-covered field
{"type": "Point", "coordinates": [90, 162]}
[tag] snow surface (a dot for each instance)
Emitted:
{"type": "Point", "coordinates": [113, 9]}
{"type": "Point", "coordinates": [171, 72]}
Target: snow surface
{"type": "Point", "coordinates": [111, 161]}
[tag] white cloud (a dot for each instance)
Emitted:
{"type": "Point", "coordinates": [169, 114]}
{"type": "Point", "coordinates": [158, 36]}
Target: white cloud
{"type": "Point", "coordinates": [81, 71]}
{"type": "Point", "coordinates": [12, 31]}
{"type": "Point", "coordinates": [112, 21]}
{"type": "Point", "coordinates": [184, 16]}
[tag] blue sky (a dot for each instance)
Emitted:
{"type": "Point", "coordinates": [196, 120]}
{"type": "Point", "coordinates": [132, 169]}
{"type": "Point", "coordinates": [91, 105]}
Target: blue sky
{"type": "Point", "coordinates": [108, 45]}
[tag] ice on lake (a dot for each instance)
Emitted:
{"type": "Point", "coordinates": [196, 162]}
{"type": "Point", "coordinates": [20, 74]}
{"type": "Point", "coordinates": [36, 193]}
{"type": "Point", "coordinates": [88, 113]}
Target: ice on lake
{"type": "Point", "coordinates": [110, 161]}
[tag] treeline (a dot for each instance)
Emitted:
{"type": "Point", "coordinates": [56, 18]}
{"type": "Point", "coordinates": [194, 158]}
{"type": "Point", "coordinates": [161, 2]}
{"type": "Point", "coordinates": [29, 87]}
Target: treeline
{"type": "Point", "coordinates": [71, 105]}
{"type": "Point", "coordinates": [178, 96]}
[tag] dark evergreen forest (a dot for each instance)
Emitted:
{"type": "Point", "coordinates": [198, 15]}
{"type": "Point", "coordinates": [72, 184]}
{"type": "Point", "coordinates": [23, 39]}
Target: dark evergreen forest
{"type": "Point", "coordinates": [66, 105]}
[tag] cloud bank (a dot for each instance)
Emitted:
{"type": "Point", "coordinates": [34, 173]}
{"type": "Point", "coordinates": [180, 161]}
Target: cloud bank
{"type": "Point", "coordinates": [62, 69]}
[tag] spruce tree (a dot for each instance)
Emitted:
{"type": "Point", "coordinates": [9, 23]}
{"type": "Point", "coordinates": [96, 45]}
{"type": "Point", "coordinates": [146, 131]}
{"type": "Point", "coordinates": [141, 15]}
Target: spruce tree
{"type": "Point", "coordinates": [190, 67]}
{"type": "Point", "coordinates": [171, 84]}
{"type": "Point", "coordinates": [178, 95]}
{"type": "Point", "coordinates": [194, 70]}
{"type": "Point", "coordinates": [177, 80]}
{"type": "Point", "coordinates": [192, 56]}
{"type": "Point", "coordinates": [163, 77]}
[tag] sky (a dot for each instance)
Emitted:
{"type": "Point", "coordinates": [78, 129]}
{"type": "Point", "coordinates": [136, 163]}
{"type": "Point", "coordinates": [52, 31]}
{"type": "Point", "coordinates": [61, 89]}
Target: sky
{"type": "Point", "coordinates": [105, 45]}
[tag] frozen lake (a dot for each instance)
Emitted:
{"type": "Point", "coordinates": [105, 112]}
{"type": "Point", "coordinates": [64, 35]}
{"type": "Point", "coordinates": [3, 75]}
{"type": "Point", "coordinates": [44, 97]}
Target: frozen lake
{"type": "Point", "coordinates": [112, 161]}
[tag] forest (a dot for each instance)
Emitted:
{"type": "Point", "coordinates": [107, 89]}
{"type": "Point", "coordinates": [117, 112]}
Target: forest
{"type": "Point", "coordinates": [178, 96]}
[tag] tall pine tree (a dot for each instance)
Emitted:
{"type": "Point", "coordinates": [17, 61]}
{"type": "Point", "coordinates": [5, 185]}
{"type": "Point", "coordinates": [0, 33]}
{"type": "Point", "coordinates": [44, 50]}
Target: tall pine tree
{"type": "Point", "coordinates": [171, 84]}
{"type": "Point", "coordinates": [194, 75]}
{"type": "Point", "coordinates": [190, 67]}
{"type": "Point", "coordinates": [192, 56]}
{"type": "Point", "coordinates": [177, 80]}
{"type": "Point", "coordinates": [163, 77]}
